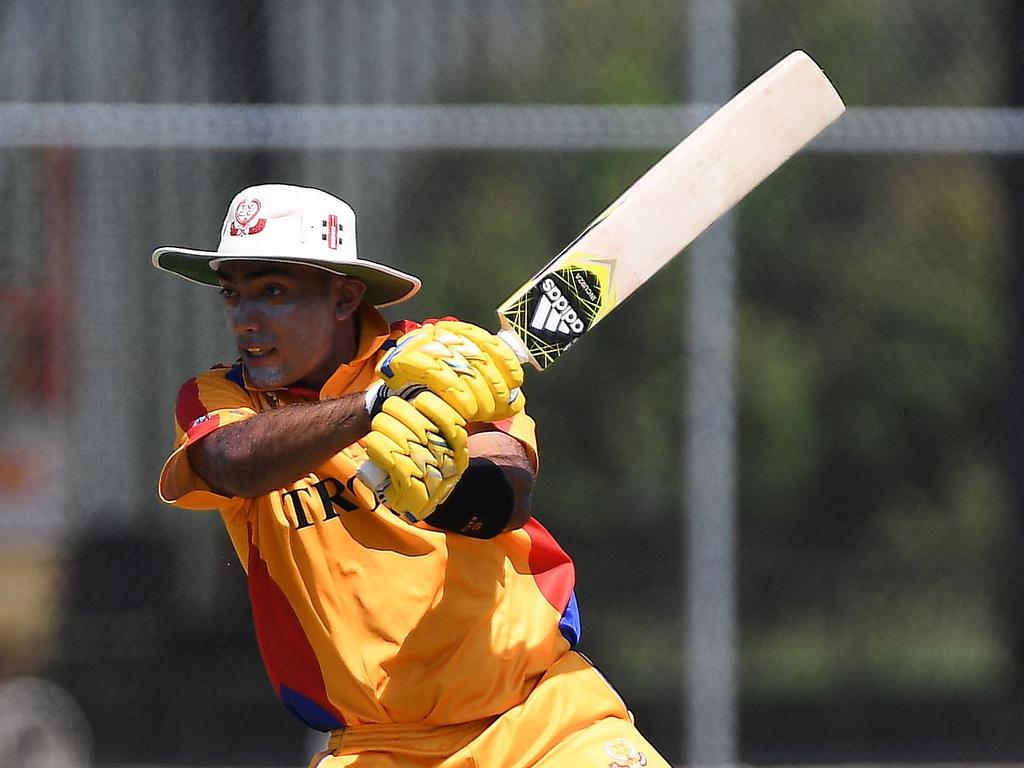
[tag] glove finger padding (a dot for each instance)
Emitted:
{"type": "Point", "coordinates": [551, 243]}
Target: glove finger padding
{"type": "Point", "coordinates": [417, 359]}
{"type": "Point", "coordinates": [499, 353]}
{"type": "Point", "coordinates": [494, 361]}
{"type": "Point", "coordinates": [423, 446]}
{"type": "Point", "coordinates": [472, 370]}
{"type": "Point", "coordinates": [425, 364]}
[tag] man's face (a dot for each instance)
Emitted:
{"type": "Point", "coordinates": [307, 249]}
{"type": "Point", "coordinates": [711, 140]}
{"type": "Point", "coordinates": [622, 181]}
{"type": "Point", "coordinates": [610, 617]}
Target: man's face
{"type": "Point", "coordinates": [292, 324]}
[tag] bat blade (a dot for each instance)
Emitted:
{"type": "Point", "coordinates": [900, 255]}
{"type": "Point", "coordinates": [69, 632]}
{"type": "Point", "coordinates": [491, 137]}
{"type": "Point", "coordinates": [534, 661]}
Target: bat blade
{"type": "Point", "coordinates": [679, 197]}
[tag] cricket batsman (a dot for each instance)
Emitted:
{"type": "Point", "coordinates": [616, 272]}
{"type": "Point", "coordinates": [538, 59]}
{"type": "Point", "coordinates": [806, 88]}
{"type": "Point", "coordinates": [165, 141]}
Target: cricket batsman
{"type": "Point", "coordinates": [430, 620]}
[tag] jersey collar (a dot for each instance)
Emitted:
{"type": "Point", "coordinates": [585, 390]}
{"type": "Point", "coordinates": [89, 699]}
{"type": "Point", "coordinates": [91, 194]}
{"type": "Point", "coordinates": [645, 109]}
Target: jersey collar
{"type": "Point", "coordinates": [356, 374]}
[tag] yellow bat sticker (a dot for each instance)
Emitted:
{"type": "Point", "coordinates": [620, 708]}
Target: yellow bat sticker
{"type": "Point", "coordinates": [560, 304]}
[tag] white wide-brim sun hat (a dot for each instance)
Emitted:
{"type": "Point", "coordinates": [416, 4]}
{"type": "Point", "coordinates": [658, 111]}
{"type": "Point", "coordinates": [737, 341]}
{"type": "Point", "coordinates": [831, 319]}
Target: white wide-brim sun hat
{"type": "Point", "coordinates": [285, 223]}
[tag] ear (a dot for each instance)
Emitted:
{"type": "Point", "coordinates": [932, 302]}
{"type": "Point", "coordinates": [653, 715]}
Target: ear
{"type": "Point", "coordinates": [348, 292]}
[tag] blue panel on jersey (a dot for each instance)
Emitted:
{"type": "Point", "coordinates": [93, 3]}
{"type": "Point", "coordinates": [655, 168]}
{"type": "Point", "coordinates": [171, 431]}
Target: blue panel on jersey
{"type": "Point", "coordinates": [569, 624]}
{"type": "Point", "coordinates": [234, 375]}
{"type": "Point", "coordinates": [308, 711]}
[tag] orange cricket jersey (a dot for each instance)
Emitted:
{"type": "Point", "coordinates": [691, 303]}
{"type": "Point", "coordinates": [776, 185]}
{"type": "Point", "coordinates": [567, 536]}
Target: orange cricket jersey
{"type": "Point", "coordinates": [362, 618]}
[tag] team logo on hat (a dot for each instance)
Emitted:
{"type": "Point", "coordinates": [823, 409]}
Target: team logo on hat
{"type": "Point", "coordinates": [245, 212]}
{"type": "Point", "coordinates": [624, 754]}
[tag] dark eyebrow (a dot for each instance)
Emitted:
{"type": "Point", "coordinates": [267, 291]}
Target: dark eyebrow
{"type": "Point", "coordinates": [256, 273]}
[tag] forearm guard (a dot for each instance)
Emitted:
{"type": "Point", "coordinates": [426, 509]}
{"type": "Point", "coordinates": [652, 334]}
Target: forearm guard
{"type": "Point", "coordinates": [481, 504]}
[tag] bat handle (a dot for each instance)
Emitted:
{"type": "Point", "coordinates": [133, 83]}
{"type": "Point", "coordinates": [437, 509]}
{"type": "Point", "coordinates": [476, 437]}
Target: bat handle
{"type": "Point", "coordinates": [516, 345]}
{"type": "Point", "coordinates": [373, 477]}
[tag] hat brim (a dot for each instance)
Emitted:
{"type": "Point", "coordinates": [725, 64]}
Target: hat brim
{"type": "Point", "coordinates": [384, 285]}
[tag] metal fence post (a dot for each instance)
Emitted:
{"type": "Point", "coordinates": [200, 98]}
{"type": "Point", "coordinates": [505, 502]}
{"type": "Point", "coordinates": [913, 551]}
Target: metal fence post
{"type": "Point", "coordinates": [709, 472]}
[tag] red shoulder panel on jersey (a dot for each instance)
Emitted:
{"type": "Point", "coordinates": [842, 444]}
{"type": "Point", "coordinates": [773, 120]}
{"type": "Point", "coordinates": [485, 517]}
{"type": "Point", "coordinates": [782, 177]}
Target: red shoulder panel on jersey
{"type": "Point", "coordinates": [404, 326]}
{"type": "Point", "coordinates": [188, 407]}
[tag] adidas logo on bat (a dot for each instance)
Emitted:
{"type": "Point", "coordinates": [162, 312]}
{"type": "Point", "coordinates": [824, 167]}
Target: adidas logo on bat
{"type": "Point", "coordinates": [554, 313]}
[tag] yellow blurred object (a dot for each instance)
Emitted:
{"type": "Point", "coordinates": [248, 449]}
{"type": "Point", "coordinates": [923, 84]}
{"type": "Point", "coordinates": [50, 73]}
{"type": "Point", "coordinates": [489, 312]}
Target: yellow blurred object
{"type": "Point", "coordinates": [29, 604]}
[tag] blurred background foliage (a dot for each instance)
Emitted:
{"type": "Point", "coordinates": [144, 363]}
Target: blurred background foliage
{"type": "Point", "coordinates": [878, 364]}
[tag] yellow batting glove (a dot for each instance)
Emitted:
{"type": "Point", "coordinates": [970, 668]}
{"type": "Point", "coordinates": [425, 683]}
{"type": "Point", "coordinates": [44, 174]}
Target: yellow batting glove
{"type": "Point", "coordinates": [496, 363]}
{"type": "Point", "coordinates": [422, 445]}
{"type": "Point", "coordinates": [472, 370]}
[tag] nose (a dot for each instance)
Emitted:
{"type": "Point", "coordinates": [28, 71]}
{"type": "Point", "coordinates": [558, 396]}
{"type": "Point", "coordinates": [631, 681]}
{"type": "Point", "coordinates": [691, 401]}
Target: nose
{"type": "Point", "coordinates": [244, 317]}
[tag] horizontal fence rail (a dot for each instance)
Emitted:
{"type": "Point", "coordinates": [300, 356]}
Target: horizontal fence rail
{"type": "Point", "coordinates": [982, 130]}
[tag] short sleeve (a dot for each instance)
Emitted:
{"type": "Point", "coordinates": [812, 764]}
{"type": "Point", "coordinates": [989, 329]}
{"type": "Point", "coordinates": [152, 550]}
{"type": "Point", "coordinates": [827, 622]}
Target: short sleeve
{"type": "Point", "coordinates": [205, 403]}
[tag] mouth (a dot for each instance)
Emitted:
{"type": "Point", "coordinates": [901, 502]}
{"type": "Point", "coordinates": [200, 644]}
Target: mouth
{"type": "Point", "coordinates": [253, 353]}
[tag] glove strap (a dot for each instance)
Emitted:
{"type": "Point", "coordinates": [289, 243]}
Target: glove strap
{"type": "Point", "coordinates": [379, 391]}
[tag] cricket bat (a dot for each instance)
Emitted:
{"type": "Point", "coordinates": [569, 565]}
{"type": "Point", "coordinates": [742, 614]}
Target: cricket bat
{"type": "Point", "coordinates": [701, 179]}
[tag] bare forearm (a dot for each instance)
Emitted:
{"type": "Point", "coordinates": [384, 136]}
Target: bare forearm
{"type": "Point", "coordinates": [277, 446]}
{"type": "Point", "coordinates": [520, 478]}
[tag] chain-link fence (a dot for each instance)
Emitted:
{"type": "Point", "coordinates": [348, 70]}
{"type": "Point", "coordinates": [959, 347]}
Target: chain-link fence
{"type": "Point", "coordinates": [871, 510]}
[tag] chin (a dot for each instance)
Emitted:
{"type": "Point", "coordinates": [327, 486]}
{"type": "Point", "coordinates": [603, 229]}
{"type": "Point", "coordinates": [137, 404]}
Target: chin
{"type": "Point", "coordinates": [267, 378]}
